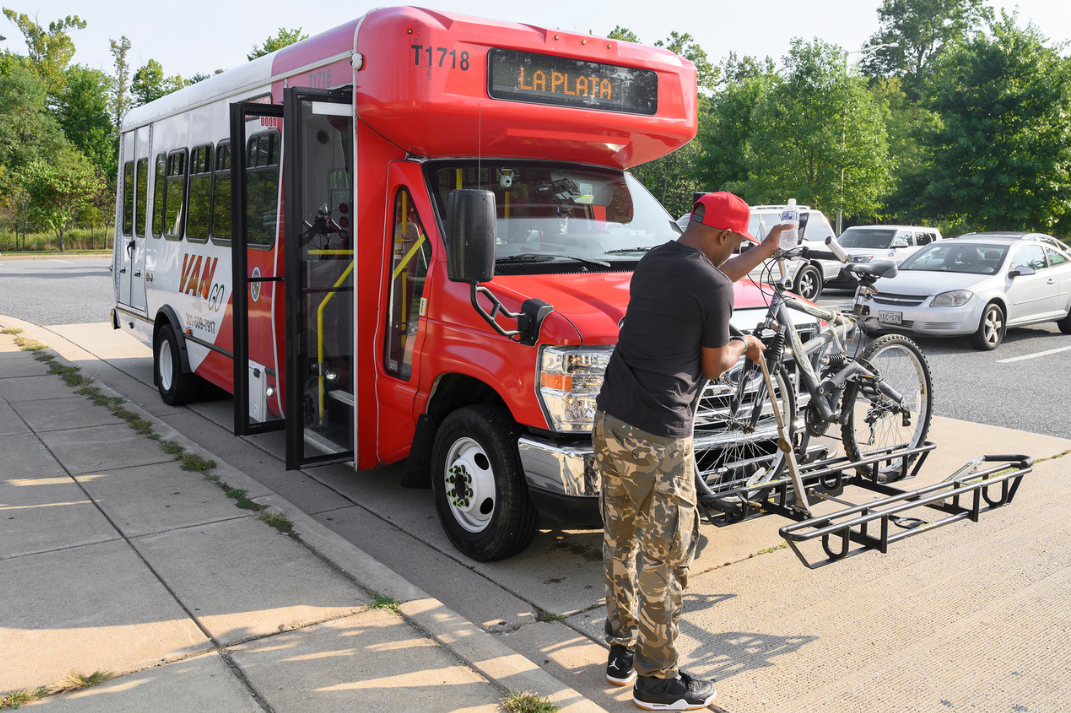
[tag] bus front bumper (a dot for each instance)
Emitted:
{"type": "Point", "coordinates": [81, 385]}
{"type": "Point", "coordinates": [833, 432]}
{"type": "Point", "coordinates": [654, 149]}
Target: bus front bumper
{"type": "Point", "coordinates": [562, 480]}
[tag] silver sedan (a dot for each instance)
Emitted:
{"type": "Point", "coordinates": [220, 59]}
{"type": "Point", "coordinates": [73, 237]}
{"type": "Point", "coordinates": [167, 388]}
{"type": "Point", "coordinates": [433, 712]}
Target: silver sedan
{"type": "Point", "coordinates": [976, 287]}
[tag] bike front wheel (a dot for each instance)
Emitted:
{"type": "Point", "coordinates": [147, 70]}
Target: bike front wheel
{"type": "Point", "coordinates": [874, 421]}
{"type": "Point", "coordinates": [733, 458]}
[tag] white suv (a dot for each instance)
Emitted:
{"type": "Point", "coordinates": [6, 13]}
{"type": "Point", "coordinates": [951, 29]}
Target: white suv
{"type": "Point", "coordinates": [807, 276]}
{"type": "Point", "coordinates": [864, 243]}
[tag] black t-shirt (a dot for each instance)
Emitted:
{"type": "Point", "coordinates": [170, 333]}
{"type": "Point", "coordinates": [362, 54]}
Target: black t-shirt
{"type": "Point", "coordinates": [679, 302]}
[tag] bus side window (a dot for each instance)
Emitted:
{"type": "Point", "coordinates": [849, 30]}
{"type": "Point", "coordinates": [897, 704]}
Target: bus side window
{"type": "Point", "coordinates": [411, 253]}
{"type": "Point", "coordinates": [200, 194]}
{"type": "Point", "coordinates": [128, 197]}
{"type": "Point", "coordinates": [141, 189]}
{"type": "Point", "coordinates": [262, 188]}
{"type": "Point", "coordinates": [175, 191]}
{"type": "Point", "coordinates": [158, 195]}
{"type": "Point", "coordinates": [221, 194]}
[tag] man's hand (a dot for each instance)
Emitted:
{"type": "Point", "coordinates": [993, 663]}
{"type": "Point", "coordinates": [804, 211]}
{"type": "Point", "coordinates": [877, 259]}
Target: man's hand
{"type": "Point", "coordinates": [754, 348]}
{"type": "Point", "coordinates": [772, 243]}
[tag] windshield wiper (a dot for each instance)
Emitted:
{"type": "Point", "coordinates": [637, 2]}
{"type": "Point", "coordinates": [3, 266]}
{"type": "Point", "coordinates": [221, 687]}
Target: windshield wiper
{"type": "Point", "coordinates": [533, 257]}
{"type": "Point", "coordinates": [621, 251]}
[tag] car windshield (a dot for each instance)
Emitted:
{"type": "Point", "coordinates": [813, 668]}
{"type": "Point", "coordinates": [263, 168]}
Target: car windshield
{"type": "Point", "coordinates": [548, 211]}
{"type": "Point", "coordinates": [873, 238]}
{"type": "Point", "coordinates": [972, 258]}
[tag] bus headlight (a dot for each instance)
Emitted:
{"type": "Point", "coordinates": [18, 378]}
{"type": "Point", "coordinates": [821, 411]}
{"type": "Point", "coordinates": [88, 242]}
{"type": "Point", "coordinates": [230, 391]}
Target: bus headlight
{"type": "Point", "coordinates": [569, 382]}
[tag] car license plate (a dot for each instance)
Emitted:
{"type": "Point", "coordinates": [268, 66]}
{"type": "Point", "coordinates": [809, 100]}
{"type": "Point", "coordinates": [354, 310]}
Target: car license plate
{"type": "Point", "coordinates": [890, 317]}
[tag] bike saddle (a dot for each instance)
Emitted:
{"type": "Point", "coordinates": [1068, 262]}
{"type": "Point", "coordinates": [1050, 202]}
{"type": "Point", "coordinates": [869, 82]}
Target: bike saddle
{"type": "Point", "coordinates": [875, 268]}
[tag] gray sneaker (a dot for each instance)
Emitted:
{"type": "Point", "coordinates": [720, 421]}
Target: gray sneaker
{"type": "Point", "coordinates": [682, 693]}
{"type": "Point", "coordinates": [619, 669]}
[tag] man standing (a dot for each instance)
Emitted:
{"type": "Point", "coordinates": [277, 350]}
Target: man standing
{"type": "Point", "coordinates": [676, 329]}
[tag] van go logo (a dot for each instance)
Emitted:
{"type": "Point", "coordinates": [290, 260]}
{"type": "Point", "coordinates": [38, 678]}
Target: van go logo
{"type": "Point", "coordinates": [196, 279]}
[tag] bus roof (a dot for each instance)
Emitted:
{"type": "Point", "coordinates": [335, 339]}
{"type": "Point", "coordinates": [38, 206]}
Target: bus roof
{"type": "Point", "coordinates": [425, 83]}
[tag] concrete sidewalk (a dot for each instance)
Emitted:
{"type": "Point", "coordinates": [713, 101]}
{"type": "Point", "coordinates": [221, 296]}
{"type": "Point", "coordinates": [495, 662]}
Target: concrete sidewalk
{"type": "Point", "coordinates": [114, 558]}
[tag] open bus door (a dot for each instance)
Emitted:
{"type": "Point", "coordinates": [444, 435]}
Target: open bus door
{"type": "Point", "coordinates": [320, 262]}
{"type": "Point", "coordinates": [319, 383]}
{"type": "Point", "coordinates": [254, 204]}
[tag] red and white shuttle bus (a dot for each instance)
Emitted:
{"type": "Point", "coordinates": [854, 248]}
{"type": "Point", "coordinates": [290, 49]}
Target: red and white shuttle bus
{"type": "Point", "coordinates": [283, 232]}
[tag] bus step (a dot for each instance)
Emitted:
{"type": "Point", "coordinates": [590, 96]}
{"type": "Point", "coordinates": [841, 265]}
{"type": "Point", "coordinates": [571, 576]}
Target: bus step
{"type": "Point", "coordinates": [320, 443]}
{"type": "Point", "coordinates": [343, 396]}
{"type": "Point", "coordinates": [964, 495]}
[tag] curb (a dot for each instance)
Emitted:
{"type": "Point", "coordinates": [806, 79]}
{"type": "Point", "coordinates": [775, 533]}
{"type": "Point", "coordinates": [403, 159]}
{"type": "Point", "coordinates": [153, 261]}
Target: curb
{"type": "Point", "coordinates": [501, 665]}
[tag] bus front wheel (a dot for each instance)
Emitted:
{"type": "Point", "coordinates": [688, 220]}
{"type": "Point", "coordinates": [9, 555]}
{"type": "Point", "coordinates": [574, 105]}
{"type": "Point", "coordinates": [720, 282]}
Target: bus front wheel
{"type": "Point", "coordinates": [481, 495]}
{"type": "Point", "coordinates": [176, 387]}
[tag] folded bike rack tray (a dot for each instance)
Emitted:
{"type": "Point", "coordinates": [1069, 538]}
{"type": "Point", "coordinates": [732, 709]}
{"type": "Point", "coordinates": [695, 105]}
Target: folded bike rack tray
{"type": "Point", "coordinates": [966, 494]}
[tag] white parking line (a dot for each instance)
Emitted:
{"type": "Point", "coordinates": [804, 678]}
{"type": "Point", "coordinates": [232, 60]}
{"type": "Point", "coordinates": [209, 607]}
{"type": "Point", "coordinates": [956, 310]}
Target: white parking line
{"type": "Point", "coordinates": [65, 262]}
{"type": "Point", "coordinates": [1034, 356]}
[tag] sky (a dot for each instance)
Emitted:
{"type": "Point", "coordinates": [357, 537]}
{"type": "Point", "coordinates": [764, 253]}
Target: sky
{"type": "Point", "coordinates": [218, 34]}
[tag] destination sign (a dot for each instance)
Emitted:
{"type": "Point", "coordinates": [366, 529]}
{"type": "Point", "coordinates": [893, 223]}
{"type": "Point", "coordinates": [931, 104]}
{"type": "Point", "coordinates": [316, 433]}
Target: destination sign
{"type": "Point", "coordinates": [546, 79]}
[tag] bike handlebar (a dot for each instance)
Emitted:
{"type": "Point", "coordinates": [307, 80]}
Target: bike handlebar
{"type": "Point", "coordinates": [817, 254]}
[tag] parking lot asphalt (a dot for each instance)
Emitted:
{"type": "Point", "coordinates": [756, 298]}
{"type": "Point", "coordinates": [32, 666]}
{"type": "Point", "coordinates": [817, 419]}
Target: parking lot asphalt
{"type": "Point", "coordinates": [968, 617]}
{"type": "Point", "coordinates": [1023, 384]}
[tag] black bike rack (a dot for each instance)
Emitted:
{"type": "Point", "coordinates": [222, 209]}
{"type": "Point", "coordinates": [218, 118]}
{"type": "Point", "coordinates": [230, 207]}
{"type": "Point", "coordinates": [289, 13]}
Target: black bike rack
{"type": "Point", "coordinates": [958, 497]}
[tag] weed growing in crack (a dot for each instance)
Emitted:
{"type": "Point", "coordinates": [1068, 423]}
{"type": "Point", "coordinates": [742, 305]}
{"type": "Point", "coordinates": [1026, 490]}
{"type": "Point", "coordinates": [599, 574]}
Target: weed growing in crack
{"type": "Point", "coordinates": [382, 601]}
{"type": "Point", "coordinates": [75, 681]}
{"type": "Point", "coordinates": [526, 702]}
{"type": "Point", "coordinates": [194, 462]}
{"type": "Point", "coordinates": [279, 522]}
{"type": "Point", "coordinates": [17, 698]}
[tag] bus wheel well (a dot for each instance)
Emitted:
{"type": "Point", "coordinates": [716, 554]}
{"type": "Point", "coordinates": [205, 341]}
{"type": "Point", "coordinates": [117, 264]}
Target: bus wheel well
{"type": "Point", "coordinates": [451, 392]}
{"type": "Point", "coordinates": [167, 315]}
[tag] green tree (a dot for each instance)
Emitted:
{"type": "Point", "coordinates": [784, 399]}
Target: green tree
{"type": "Point", "coordinates": [59, 190]}
{"type": "Point", "coordinates": [28, 130]}
{"type": "Point", "coordinates": [84, 115]}
{"type": "Point", "coordinates": [50, 50]}
{"type": "Point", "coordinates": [818, 136]}
{"type": "Point", "coordinates": [149, 83]}
{"type": "Point", "coordinates": [922, 29]}
{"type": "Point", "coordinates": [686, 46]}
{"type": "Point", "coordinates": [120, 99]}
{"type": "Point", "coordinates": [624, 34]}
{"type": "Point", "coordinates": [672, 178]}
{"type": "Point", "coordinates": [725, 124]}
{"type": "Point", "coordinates": [283, 38]}
{"type": "Point", "coordinates": [1002, 150]}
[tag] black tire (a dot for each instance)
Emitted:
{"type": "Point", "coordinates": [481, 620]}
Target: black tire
{"type": "Point", "coordinates": [991, 329]}
{"type": "Point", "coordinates": [872, 424]}
{"type": "Point", "coordinates": [480, 492]}
{"type": "Point", "coordinates": [736, 458]}
{"type": "Point", "coordinates": [1065, 323]}
{"type": "Point", "coordinates": [175, 386]}
{"type": "Point", "coordinates": [808, 284]}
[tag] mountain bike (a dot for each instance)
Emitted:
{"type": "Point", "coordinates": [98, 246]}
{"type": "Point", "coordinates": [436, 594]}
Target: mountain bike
{"type": "Point", "coordinates": [756, 420]}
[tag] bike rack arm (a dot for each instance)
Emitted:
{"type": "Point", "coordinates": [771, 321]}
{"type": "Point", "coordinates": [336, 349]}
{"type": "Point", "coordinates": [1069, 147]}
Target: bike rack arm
{"type": "Point", "coordinates": [1007, 473]}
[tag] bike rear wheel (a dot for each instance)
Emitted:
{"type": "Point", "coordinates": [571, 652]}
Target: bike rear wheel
{"type": "Point", "coordinates": [730, 454]}
{"type": "Point", "coordinates": [874, 421]}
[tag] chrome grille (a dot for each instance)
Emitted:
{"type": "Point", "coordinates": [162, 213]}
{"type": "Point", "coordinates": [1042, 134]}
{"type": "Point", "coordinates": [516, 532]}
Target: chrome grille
{"type": "Point", "coordinates": [891, 298]}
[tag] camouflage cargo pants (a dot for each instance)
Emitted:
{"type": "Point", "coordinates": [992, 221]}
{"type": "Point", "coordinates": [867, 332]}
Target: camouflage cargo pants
{"type": "Point", "coordinates": [650, 531]}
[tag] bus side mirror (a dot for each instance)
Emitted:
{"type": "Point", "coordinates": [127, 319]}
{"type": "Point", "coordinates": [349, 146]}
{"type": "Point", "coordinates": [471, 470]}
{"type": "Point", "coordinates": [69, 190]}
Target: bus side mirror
{"type": "Point", "coordinates": [471, 236]}
{"type": "Point", "coordinates": [470, 257]}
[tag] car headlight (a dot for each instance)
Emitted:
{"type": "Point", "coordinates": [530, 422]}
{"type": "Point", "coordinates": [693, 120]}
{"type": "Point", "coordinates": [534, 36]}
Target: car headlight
{"type": "Point", "coordinates": [955, 298]}
{"type": "Point", "coordinates": [861, 258]}
{"type": "Point", "coordinates": [570, 379]}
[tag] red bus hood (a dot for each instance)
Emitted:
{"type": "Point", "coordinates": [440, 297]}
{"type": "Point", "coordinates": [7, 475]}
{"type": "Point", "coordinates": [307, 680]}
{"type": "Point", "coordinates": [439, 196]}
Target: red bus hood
{"type": "Point", "coordinates": [596, 302]}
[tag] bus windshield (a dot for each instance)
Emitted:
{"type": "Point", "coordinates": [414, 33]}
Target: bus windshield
{"type": "Point", "coordinates": [548, 211]}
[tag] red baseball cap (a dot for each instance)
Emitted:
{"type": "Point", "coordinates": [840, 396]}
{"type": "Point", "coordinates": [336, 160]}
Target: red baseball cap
{"type": "Point", "coordinates": [723, 211]}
